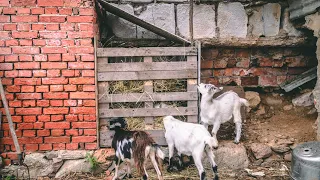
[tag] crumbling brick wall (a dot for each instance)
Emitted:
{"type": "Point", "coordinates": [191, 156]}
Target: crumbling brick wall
{"type": "Point", "coordinates": [47, 68]}
{"type": "Point", "coordinates": [255, 67]}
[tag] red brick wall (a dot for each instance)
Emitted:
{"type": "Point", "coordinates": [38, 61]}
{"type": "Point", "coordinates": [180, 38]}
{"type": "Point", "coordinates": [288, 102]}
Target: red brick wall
{"type": "Point", "coordinates": [264, 67]}
{"type": "Point", "coordinates": [47, 66]}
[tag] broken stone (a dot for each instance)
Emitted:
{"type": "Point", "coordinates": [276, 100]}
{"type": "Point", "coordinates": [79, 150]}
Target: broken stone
{"type": "Point", "coordinates": [260, 151]}
{"type": "Point", "coordinates": [288, 157]}
{"type": "Point", "coordinates": [255, 27]}
{"type": "Point", "coordinates": [261, 110]}
{"type": "Point", "coordinates": [258, 162]}
{"type": "Point", "coordinates": [273, 101]}
{"type": "Point", "coordinates": [271, 17]}
{"type": "Point", "coordinates": [254, 174]}
{"type": "Point", "coordinates": [74, 154]}
{"type": "Point", "coordinates": [1, 163]}
{"type": "Point", "coordinates": [312, 111]}
{"type": "Point", "coordinates": [253, 98]}
{"type": "Point", "coordinates": [73, 166]}
{"type": "Point", "coordinates": [288, 26]}
{"type": "Point", "coordinates": [203, 21]}
{"type": "Point", "coordinates": [56, 164]}
{"type": "Point", "coordinates": [285, 142]}
{"type": "Point", "coordinates": [232, 20]}
{"type": "Point", "coordinates": [287, 107]}
{"type": "Point", "coordinates": [14, 170]}
{"type": "Point", "coordinates": [305, 99]}
{"type": "Point", "coordinates": [51, 154]}
{"type": "Point", "coordinates": [160, 15]}
{"type": "Point", "coordinates": [232, 156]}
{"type": "Point", "coordinates": [120, 27]}
{"type": "Point", "coordinates": [280, 149]}
{"type": "Point", "coordinates": [38, 165]}
{"type": "Point", "coordinates": [272, 161]}
{"type": "Point", "coordinates": [104, 156]}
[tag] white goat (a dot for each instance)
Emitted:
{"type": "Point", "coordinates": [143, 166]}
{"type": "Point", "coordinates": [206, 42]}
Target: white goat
{"type": "Point", "coordinates": [190, 139]}
{"type": "Point", "coordinates": [215, 111]}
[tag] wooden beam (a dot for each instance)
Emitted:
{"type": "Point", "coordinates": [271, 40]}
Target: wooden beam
{"type": "Point", "coordinates": [96, 87]}
{"type": "Point", "coordinates": [129, 17]}
{"type": "Point", "coordinates": [146, 112]}
{"type": "Point", "coordinates": [148, 97]}
{"type": "Point", "coordinates": [147, 75]}
{"type": "Point", "coordinates": [145, 66]}
{"type": "Point", "coordinates": [151, 51]}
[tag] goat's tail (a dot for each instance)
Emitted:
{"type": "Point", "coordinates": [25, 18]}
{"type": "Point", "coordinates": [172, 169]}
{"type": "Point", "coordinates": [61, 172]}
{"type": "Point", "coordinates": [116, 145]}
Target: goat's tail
{"type": "Point", "coordinates": [244, 102]}
{"type": "Point", "coordinates": [211, 142]}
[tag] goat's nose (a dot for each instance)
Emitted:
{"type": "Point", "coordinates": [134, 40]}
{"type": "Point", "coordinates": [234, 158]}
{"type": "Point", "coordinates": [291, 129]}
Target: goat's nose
{"type": "Point", "coordinates": [215, 147]}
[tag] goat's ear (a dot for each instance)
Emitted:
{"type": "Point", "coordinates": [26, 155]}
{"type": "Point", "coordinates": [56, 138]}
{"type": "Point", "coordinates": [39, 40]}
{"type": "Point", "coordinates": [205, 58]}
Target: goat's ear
{"type": "Point", "coordinates": [221, 88]}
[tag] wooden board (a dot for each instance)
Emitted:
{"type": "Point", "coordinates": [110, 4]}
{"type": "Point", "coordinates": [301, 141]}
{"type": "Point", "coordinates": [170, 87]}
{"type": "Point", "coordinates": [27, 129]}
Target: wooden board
{"type": "Point", "coordinates": [151, 51]}
{"type": "Point", "coordinates": [145, 112]}
{"type": "Point", "coordinates": [146, 75]}
{"type": "Point", "coordinates": [147, 97]}
{"type": "Point", "coordinates": [107, 135]}
{"type": "Point", "coordinates": [146, 66]}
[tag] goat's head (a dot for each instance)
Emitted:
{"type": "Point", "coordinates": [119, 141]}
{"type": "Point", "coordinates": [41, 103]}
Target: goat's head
{"type": "Point", "coordinates": [119, 122]}
{"type": "Point", "coordinates": [208, 89]}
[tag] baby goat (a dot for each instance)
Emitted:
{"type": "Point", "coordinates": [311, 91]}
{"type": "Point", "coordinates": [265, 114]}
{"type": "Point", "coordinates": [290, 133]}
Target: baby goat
{"type": "Point", "coordinates": [190, 139]}
{"type": "Point", "coordinates": [137, 146]}
{"type": "Point", "coordinates": [215, 111]}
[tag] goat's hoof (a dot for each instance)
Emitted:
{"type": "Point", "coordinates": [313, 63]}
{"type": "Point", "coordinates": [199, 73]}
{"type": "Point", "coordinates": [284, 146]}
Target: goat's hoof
{"type": "Point", "coordinates": [216, 177]}
{"type": "Point", "coordinates": [236, 142]}
{"type": "Point", "coordinates": [172, 169]}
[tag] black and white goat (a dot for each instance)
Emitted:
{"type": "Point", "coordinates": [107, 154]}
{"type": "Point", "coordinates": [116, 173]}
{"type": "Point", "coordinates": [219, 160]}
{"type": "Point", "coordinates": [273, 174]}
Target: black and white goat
{"type": "Point", "coordinates": [192, 140]}
{"type": "Point", "coordinates": [215, 111]}
{"type": "Point", "coordinates": [134, 147]}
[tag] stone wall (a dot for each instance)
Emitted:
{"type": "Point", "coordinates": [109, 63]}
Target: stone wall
{"type": "Point", "coordinates": [254, 67]}
{"type": "Point", "coordinates": [47, 68]}
{"type": "Point", "coordinates": [211, 20]}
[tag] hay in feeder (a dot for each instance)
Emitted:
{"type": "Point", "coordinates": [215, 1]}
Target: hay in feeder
{"type": "Point", "coordinates": [171, 85]}
{"type": "Point", "coordinates": [135, 123]}
{"type": "Point", "coordinates": [123, 87]}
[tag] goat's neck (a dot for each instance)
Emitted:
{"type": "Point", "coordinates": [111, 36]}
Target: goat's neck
{"type": "Point", "coordinates": [205, 99]}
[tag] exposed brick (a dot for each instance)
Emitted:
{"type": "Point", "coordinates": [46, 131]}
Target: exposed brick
{"type": "Point", "coordinates": [56, 88]}
{"type": "Point", "coordinates": [61, 139]}
{"type": "Point", "coordinates": [15, 103]}
{"type": "Point", "coordinates": [53, 50]}
{"type": "Point", "coordinates": [13, 88]}
{"type": "Point", "coordinates": [23, 2]}
{"type": "Point", "coordinates": [56, 103]}
{"type": "Point", "coordinates": [82, 110]}
{"type": "Point", "coordinates": [27, 89]}
{"type": "Point", "coordinates": [89, 102]}
{"type": "Point", "coordinates": [39, 73]}
{"type": "Point", "coordinates": [53, 34]}
{"type": "Point", "coordinates": [52, 95]}
{"type": "Point", "coordinates": [50, 2]}
{"type": "Point", "coordinates": [268, 81]}
{"type": "Point", "coordinates": [25, 126]}
{"type": "Point", "coordinates": [86, 27]}
{"type": "Point", "coordinates": [38, 27]}
{"type": "Point", "coordinates": [38, 125]}
{"type": "Point", "coordinates": [57, 117]}
{"type": "Point", "coordinates": [28, 95]}
{"type": "Point", "coordinates": [70, 88]}
{"type": "Point", "coordinates": [249, 81]}
{"type": "Point", "coordinates": [86, 11]}
{"type": "Point", "coordinates": [71, 118]}
{"type": "Point", "coordinates": [27, 65]}
{"type": "Point", "coordinates": [8, 10]}
{"type": "Point", "coordinates": [80, 65]}
{"type": "Point", "coordinates": [25, 42]}
{"type": "Point", "coordinates": [51, 10]}
{"type": "Point", "coordinates": [25, 58]}
{"type": "Point", "coordinates": [61, 80]}
{"type": "Point", "coordinates": [43, 103]}
{"type": "Point", "coordinates": [29, 119]}
{"type": "Point", "coordinates": [45, 147]}
{"type": "Point", "coordinates": [84, 125]}
{"type": "Point", "coordinates": [80, 34]}
{"type": "Point", "coordinates": [89, 88]}
{"type": "Point", "coordinates": [37, 11]}
{"type": "Point", "coordinates": [67, 27]}
{"type": "Point", "coordinates": [57, 132]}
{"type": "Point", "coordinates": [9, 27]}
{"type": "Point", "coordinates": [28, 111]}
{"type": "Point", "coordinates": [4, 19]}
{"type": "Point", "coordinates": [82, 95]}
{"type": "Point", "coordinates": [53, 73]}
{"type": "Point", "coordinates": [39, 42]}
{"type": "Point", "coordinates": [6, 66]}
{"type": "Point", "coordinates": [23, 11]}
{"type": "Point", "coordinates": [53, 65]}
{"type": "Point", "coordinates": [21, 19]}
{"type": "Point", "coordinates": [80, 19]}
{"type": "Point", "coordinates": [42, 88]}
{"type": "Point", "coordinates": [25, 50]}
{"type": "Point", "coordinates": [89, 117]}
{"type": "Point", "coordinates": [4, 2]}
{"type": "Point", "coordinates": [11, 74]}
{"type": "Point", "coordinates": [67, 57]}
{"type": "Point", "coordinates": [27, 81]}
{"type": "Point", "coordinates": [72, 132]}
{"type": "Point", "coordinates": [72, 146]}
{"type": "Point", "coordinates": [59, 146]}
{"type": "Point", "coordinates": [81, 80]}
{"type": "Point", "coordinates": [29, 133]}
{"type": "Point", "coordinates": [55, 110]}
{"type": "Point", "coordinates": [44, 132]}
{"type": "Point", "coordinates": [70, 103]}
{"type": "Point", "coordinates": [52, 19]}
{"type": "Point", "coordinates": [79, 139]}
{"type": "Point", "coordinates": [5, 50]}
{"type": "Point", "coordinates": [25, 73]}
{"type": "Point", "coordinates": [44, 118]}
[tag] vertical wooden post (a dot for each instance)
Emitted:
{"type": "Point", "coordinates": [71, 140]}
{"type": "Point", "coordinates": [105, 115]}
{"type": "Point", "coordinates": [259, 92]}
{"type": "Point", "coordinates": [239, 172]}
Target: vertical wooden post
{"type": "Point", "coordinates": [12, 130]}
{"type": "Point", "coordinates": [96, 89]}
{"type": "Point", "coordinates": [192, 86]}
{"type": "Point", "coordinates": [191, 21]}
{"type": "Point", "coordinates": [148, 87]}
{"type": "Point", "coordinates": [199, 75]}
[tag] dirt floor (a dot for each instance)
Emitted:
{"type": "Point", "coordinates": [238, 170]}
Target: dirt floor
{"type": "Point", "coordinates": [266, 124]}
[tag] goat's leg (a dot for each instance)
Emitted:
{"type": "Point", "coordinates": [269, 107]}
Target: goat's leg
{"type": "Point", "coordinates": [215, 128]}
{"type": "Point", "coordinates": [152, 156]}
{"type": "Point", "coordinates": [213, 163]}
{"type": "Point", "coordinates": [117, 163]}
{"type": "Point", "coordinates": [238, 132]}
{"type": "Point", "coordinates": [197, 160]}
{"type": "Point", "coordinates": [171, 151]}
{"type": "Point", "coordinates": [128, 163]}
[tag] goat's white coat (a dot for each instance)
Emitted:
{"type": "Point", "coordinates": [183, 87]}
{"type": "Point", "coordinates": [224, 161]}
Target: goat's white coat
{"type": "Point", "coordinates": [189, 139]}
{"type": "Point", "coordinates": [215, 111]}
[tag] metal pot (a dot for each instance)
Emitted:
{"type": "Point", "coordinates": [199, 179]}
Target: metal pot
{"type": "Point", "coordinates": [305, 163]}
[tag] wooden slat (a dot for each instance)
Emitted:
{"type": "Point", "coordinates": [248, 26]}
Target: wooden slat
{"type": "Point", "coordinates": [146, 66]}
{"type": "Point", "coordinates": [146, 112]}
{"type": "Point", "coordinates": [96, 88]}
{"type": "Point", "coordinates": [135, 97]}
{"type": "Point", "coordinates": [107, 135]}
{"type": "Point", "coordinates": [146, 75]}
{"type": "Point", "coordinates": [150, 51]}
{"type": "Point", "coordinates": [192, 86]}
{"type": "Point", "coordinates": [148, 88]}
